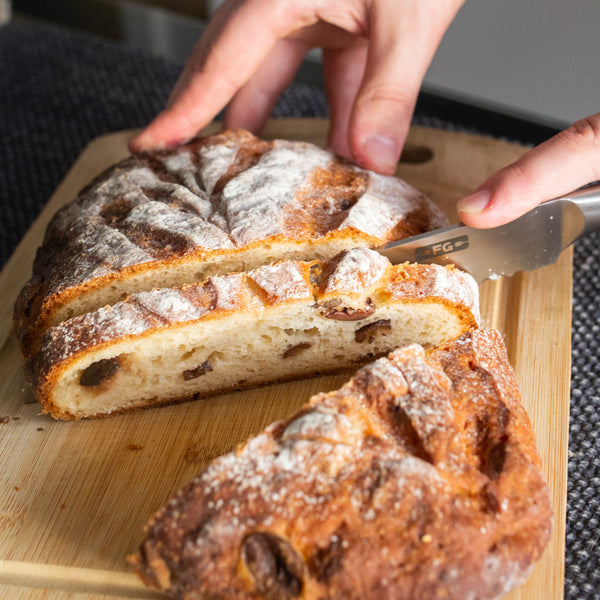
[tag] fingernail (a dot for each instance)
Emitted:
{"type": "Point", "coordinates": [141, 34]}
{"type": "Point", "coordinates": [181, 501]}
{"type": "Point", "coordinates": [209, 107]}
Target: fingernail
{"type": "Point", "coordinates": [382, 151]}
{"type": "Point", "coordinates": [475, 203]}
{"type": "Point", "coordinates": [145, 143]}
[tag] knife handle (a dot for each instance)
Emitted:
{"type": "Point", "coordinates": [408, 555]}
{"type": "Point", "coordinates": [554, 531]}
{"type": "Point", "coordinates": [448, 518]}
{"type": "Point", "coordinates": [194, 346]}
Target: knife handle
{"type": "Point", "coordinates": [587, 199]}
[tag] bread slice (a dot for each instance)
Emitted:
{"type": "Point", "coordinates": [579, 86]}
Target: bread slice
{"type": "Point", "coordinates": [283, 321]}
{"type": "Point", "coordinates": [418, 479]}
{"type": "Point", "coordinates": [221, 204]}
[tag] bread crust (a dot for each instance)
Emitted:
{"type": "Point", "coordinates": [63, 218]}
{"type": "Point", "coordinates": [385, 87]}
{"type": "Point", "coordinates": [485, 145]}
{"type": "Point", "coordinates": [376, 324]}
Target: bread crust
{"type": "Point", "coordinates": [418, 479]}
{"type": "Point", "coordinates": [208, 207]}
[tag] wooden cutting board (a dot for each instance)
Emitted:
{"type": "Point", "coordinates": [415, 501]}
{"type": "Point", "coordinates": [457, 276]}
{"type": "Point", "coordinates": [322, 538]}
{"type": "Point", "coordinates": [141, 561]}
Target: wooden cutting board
{"type": "Point", "coordinates": [74, 496]}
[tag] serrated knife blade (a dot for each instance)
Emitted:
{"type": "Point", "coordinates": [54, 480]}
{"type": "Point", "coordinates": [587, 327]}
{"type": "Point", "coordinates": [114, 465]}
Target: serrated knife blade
{"type": "Point", "coordinates": [534, 240]}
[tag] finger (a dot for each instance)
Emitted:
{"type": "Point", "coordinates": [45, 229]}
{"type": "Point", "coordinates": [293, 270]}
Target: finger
{"type": "Point", "coordinates": [235, 43]}
{"type": "Point", "coordinates": [563, 163]}
{"type": "Point", "coordinates": [343, 70]}
{"type": "Point", "coordinates": [253, 103]}
{"type": "Point", "coordinates": [401, 46]}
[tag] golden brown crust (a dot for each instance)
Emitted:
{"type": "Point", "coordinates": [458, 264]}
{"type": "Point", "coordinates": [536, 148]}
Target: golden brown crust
{"type": "Point", "coordinates": [221, 196]}
{"type": "Point", "coordinates": [419, 478]}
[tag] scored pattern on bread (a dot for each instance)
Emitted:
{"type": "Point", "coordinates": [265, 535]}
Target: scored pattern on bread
{"type": "Point", "coordinates": [418, 479]}
{"type": "Point", "coordinates": [221, 204]}
{"type": "Point", "coordinates": [298, 319]}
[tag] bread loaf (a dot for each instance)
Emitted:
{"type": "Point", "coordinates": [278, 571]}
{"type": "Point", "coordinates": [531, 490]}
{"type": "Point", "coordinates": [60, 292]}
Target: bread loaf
{"type": "Point", "coordinates": [417, 480]}
{"type": "Point", "coordinates": [282, 321]}
{"type": "Point", "coordinates": [220, 204]}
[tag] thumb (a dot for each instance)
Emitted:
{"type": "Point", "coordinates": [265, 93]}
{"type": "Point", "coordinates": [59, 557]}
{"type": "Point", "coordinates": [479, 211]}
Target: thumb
{"type": "Point", "coordinates": [561, 164]}
{"type": "Point", "coordinates": [402, 43]}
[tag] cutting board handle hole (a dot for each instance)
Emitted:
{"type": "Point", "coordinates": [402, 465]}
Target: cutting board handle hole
{"type": "Point", "coordinates": [416, 155]}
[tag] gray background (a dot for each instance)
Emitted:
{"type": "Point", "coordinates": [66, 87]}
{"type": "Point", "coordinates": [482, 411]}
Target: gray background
{"type": "Point", "coordinates": [540, 57]}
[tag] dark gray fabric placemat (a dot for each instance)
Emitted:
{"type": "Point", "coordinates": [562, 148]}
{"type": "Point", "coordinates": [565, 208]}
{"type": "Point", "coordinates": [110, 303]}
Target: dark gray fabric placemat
{"type": "Point", "coordinates": [60, 89]}
{"type": "Point", "coordinates": [582, 568]}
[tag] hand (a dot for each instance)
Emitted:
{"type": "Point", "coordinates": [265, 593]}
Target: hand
{"type": "Point", "coordinates": [560, 165]}
{"type": "Point", "coordinates": [375, 54]}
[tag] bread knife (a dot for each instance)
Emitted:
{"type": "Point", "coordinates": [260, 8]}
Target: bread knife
{"type": "Point", "coordinates": [534, 240]}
